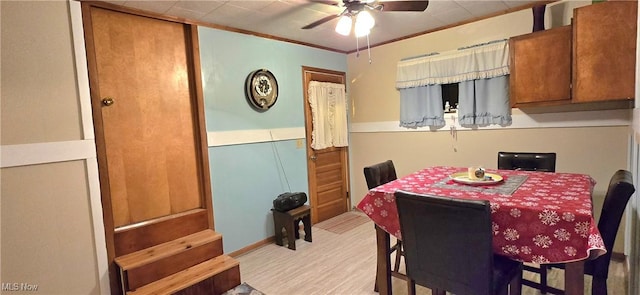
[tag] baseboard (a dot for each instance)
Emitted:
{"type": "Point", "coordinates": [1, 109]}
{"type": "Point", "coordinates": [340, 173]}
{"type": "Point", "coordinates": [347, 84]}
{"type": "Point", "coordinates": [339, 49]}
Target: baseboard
{"type": "Point", "coordinates": [619, 257]}
{"type": "Point", "coordinates": [252, 247]}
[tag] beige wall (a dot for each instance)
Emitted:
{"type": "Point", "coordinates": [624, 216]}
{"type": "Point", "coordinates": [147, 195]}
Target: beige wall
{"type": "Point", "coordinates": [597, 151]}
{"type": "Point", "coordinates": [46, 224]}
{"type": "Point", "coordinates": [39, 92]}
{"type": "Point", "coordinates": [47, 236]}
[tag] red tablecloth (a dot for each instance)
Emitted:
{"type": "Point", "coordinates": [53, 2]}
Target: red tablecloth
{"type": "Point", "coordinates": [547, 219]}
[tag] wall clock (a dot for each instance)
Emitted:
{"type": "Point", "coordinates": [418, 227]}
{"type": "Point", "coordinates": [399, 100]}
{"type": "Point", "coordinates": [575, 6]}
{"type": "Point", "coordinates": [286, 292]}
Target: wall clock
{"type": "Point", "coordinates": [261, 89]}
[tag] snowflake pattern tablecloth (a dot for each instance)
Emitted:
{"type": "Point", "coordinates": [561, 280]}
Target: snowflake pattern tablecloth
{"type": "Point", "coordinates": [548, 219]}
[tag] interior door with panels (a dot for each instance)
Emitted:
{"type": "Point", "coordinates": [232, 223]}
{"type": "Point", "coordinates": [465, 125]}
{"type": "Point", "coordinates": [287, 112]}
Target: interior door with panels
{"type": "Point", "coordinates": [327, 168]}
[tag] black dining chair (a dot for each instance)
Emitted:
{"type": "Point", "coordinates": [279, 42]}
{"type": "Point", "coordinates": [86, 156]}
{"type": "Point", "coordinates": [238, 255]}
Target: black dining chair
{"type": "Point", "coordinates": [380, 173]}
{"type": "Point", "coordinates": [528, 161]}
{"type": "Point", "coordinates": [376, 175]}
{"type": "Point", "coordinates": [448, 246]}
{"type": "Point", "coordinates": [618, 193]}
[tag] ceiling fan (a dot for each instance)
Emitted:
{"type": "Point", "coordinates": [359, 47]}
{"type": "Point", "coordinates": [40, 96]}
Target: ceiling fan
{"type": "Point", "coordinates": [353, 7]}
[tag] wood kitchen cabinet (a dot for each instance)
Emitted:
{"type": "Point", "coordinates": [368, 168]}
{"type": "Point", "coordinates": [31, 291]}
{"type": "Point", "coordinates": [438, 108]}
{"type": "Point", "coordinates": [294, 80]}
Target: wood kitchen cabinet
{"type": "Point", "coordinates": [540, 68]}
{"type": "Point", "coordinates": [592, 60]}
{"type": "Point", "coordinates": [604, 51]}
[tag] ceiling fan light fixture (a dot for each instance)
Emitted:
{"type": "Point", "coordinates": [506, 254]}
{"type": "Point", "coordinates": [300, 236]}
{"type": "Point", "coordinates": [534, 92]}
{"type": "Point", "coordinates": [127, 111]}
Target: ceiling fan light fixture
{"type": "Point", "coordinates": [344, 25]}
{"type": "Point", "coordinates": [361, 32]}
{"type": "Point", "coordinates": [364, 23]}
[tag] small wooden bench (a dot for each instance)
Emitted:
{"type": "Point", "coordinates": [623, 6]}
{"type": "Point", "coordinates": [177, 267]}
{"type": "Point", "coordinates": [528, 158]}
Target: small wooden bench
{"type": "Point", "coordinates": [290, 221]}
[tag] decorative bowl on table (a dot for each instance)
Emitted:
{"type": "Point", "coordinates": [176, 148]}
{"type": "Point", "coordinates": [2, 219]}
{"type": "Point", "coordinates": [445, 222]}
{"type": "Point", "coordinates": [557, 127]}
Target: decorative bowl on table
{"type": "Point", "coordinates": [487, 179]}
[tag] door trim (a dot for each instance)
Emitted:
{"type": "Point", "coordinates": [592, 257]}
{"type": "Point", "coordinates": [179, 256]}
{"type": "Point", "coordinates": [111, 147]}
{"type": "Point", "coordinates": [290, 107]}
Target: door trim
{"type": "Point", "coordinates": [93, 180]}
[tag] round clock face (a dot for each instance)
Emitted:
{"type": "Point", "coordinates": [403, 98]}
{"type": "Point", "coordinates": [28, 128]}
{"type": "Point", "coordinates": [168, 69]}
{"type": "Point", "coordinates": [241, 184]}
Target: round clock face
{"type": "Point", "coordinates": [261, 89]}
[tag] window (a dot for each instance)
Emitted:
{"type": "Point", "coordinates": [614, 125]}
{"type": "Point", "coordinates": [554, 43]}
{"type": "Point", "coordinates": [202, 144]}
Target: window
{"type": "Point", "coordinates": [450, 97]}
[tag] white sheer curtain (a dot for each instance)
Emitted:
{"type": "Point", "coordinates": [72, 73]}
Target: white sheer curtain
{"type": "Point", "coordinates": [476, 62]}
{"type": "Point", "coordinates": [482, 73]}
{"type": "Point", "coordinates": [329, 112]}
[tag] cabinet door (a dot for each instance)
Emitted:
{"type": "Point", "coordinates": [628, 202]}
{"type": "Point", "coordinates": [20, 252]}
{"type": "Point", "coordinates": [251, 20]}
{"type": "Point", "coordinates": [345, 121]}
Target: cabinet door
{"type": "Point", "coordinates": [540, 68]}
{"type": "Point", "coordinates": [604, 51]}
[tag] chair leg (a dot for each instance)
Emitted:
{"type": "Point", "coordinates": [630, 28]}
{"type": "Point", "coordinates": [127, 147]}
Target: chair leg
{"type": "Point", "coordinates": [411, 285]}
{"type": "Point", "coordinates": [399, 254]}
{"type": "Point", "coordinates": [599, 286]}
{"type": "Point", "coordinates": [543, 279]}
{"type": "Point", "coordinates": [515, 286]}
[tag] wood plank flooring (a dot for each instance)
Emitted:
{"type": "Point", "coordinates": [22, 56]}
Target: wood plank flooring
{"type": "Point", "coordinates": [345, 264]}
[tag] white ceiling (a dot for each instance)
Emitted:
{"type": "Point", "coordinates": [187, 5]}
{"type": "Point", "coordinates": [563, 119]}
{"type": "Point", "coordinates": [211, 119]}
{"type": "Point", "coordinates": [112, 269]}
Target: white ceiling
{"type": "Point", "coordinates": [285, 18]}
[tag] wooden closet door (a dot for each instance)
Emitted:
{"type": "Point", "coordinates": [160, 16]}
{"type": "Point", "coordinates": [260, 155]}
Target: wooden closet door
{"type": "Point", "coordinates": [150, 131]}
{"type": "Point", "coordinates": [147, 116]}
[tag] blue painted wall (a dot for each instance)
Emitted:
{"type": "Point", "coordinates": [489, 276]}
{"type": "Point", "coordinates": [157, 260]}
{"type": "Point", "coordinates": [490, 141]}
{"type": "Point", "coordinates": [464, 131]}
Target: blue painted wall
{"type": "Point", "coordinates": [247, 177]}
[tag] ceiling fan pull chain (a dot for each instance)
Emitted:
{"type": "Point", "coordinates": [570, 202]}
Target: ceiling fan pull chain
{"type": "Point", "coordinates": [368, 49]}
{"type": "Point", "coordinates": [357, 48]}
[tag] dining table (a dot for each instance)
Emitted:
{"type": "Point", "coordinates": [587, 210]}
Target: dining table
{"type": "Point", "coordinates": [537, 217]}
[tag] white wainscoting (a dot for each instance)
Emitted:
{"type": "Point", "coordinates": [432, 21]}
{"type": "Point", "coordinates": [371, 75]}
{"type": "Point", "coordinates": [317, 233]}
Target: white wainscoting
{"type": "Point", "coordinates": [46, 152]}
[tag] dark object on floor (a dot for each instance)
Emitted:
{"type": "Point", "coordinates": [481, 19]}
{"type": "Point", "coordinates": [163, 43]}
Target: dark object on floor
{"type": "Point", "coordinates": [376, 175]}
{"type": "Point", "coordinates": [290, 221]}
{"type": "Point", "coordinates": [620, 190]}
{"type": "Point", "coordinates": [545, 162]}
{"type": "Point", "coordinates": [448, 246]}
{"type": "Point", "coordinates": [243, 289]}
{"type": "Point", "coordinates": [287, 201]}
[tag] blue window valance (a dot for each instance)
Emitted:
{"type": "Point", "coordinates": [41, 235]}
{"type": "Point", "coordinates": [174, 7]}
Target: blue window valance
{"type": "Point", "coordinates": [482, 73]}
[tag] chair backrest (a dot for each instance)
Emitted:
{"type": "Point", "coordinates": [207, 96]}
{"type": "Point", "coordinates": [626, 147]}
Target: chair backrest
{"type": "Point", "coordinates": [379, 174]}
{"type": "Point", "coordinates": [545, 162]}
{"type": "Point", "coordinates": [615, 201]}
{"type": "Point", "coordinates": [447, 242]}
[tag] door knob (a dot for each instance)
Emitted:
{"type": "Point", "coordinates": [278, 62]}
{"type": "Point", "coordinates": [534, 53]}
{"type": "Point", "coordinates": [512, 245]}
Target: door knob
{"type": "Point", "coordinates": [107, 101]}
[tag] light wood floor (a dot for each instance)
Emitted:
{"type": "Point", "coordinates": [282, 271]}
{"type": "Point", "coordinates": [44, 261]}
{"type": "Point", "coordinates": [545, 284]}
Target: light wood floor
{"type": "Point", "coordinates": [345, 264]}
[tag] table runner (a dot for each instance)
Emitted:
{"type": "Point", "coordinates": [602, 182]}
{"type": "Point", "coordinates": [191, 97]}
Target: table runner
{"type": "Point", "coordinates": [509, 185]}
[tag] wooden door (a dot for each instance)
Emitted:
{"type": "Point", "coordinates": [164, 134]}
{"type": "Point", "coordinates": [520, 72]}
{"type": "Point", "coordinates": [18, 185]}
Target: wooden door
{"type": "Point", "coordinates": [149, 125]}
{"type": "Point", "coordinates": [327, 168]}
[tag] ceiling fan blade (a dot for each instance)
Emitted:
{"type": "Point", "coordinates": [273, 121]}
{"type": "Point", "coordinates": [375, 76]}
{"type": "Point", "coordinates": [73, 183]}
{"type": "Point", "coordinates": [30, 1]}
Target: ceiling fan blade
{"type": "Point", "coordinates": [404, 5]}
{"type": "Point", "coordinates": [320, 21]}
{"type": "Point", "coordinates": [327, 2]}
